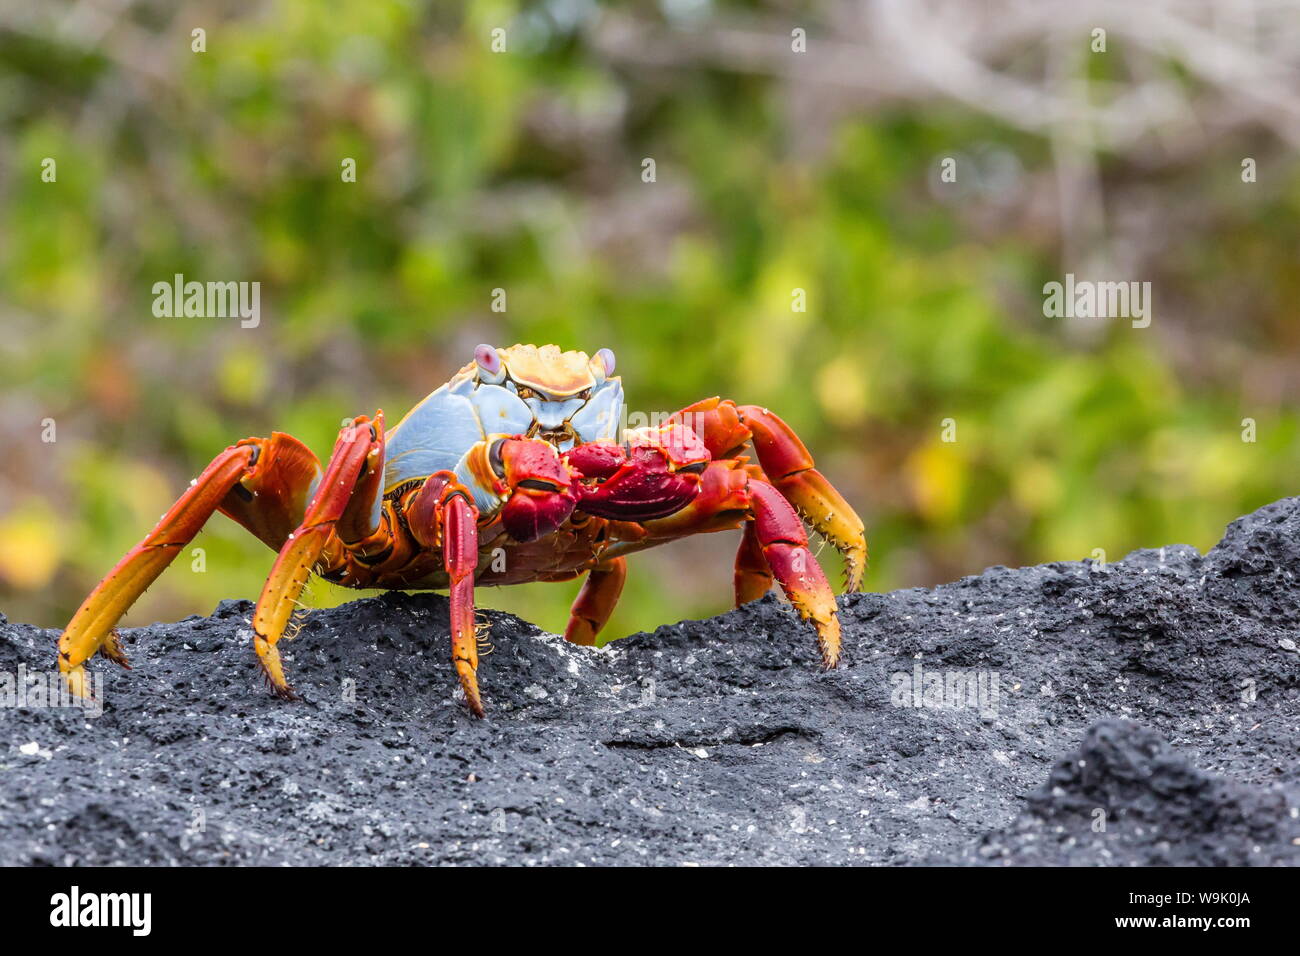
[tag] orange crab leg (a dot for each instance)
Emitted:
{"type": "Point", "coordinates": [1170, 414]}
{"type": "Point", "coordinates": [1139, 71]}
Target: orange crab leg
{"type": "Point", "coordinates": [459, 523]}
{"type": "Point", "coordinates": [725, 427]}
{"type": "Point", "coordinates": [442, 515]}
{"type": "Point", "coordinates": [91, 628]}
{"type": "Point", "coordinates": [595, 602]}
{"type": "Point", "coordinates": [789, 467]}
{"type": "Point", "coordinates": [775, 544]}
{"type": "Point", "coordinates": [359, 443]}
{"type": "Point", "coordinates": [784, 543]}
{"type": "Point", "coordinates": [753, 578]}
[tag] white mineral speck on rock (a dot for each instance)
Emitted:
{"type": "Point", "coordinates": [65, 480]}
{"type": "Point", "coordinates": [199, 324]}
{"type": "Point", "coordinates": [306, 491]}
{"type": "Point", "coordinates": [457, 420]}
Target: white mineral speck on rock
{"type": "Point", "coordinates": [1287, 644]}
{"type": "Point", "coordinates": [31, 749]}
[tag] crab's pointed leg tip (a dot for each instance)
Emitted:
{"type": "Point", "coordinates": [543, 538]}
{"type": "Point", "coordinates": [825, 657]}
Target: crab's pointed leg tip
{"type": "Point", "coordinates": [268, 658]}
{"type": "Point", "coordinates": [473, 699]}
{"type": "Point", "coordinates": [469, 684]}
{"type": "Point", "coordinates": [76, 681]}
{"type": "Point", "coordinates": [474, 702]}
{"type": "Point", "coordinates": [829, 643]}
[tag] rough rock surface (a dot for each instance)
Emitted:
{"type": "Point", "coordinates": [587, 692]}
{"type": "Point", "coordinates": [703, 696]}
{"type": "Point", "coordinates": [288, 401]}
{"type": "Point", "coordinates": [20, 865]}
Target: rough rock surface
{"type": "Point", "coordinates": [1145, 713]}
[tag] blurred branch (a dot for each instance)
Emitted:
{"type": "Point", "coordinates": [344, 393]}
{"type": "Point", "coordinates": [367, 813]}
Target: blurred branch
{"type": "Point", "coordinates": [925, 49]}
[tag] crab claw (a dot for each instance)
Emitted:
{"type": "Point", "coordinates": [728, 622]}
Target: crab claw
{"type": "Point", "coordinates": [542, 489]}
{"type": "Point", "coordinates": [656, 473]}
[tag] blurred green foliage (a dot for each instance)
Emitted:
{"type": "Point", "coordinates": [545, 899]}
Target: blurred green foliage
{"type": "Point", "coordinates": [522, 171]}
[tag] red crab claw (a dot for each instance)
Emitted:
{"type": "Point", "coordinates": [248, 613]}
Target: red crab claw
{"type": "Point", "coordinates": [541, 488]}
{"type": "Point", "coordinates": [656, 473]}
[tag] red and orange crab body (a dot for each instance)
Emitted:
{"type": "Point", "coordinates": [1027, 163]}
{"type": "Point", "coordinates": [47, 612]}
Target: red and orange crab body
{"type": "Point", "coordinates": [514, 471]}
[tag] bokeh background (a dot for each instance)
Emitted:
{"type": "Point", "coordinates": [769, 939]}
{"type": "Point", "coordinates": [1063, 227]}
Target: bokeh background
{"type": "Point", "coordinates": [775, 170]}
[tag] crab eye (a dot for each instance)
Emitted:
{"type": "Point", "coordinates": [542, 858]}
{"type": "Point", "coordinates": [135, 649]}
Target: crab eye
{"type": "Point", "coordinates": [606, 358]}
{"type": "Point", "coordinates": [489, 363]}
{"type": "Point", "coordinates": [495, 460]}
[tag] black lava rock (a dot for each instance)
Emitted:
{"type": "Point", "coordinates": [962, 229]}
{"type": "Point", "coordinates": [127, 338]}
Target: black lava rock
{"type": "Point", "coordinates": [1168, 681]}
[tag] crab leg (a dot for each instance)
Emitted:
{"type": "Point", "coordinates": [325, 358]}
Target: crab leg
{"type": "Point", "coordinates": [459, 524]}
{"type": "Point", "coordinates": [725, 428]}
{"type": "Point", "coordinates": [357, 453]}
{"type": "Point", "coordinates": [753, 577]}
{"type": "Point", "coordinates": [789, 467]}
{"type": "Point", "coordinates": [92, 627]}
{"type": "Point", "coordinates": [732, 494]}
{"type": "Point", "coordinates": [595, 602]}
{"type": "Point", "coordinates": [784, 544]}
{"type": "Point", "coordinates": [441, 516]}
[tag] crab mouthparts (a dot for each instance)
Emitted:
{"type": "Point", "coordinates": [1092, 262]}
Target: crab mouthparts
{"type": "Point", "coordinates": [554, 436]}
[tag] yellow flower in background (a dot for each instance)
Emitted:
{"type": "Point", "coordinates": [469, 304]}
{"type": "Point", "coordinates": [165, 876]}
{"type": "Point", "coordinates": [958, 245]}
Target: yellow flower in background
{"type": "Point", "coordinates": [1036, 486]}
{"type": "Point", "coordinates": [842, 391]}
{"type": "Point", "coordinates": [243, 376]}
{"type": "Point", "coordinates": [936, 479]}
{"type": "Point", "coordinates": [29, 545]}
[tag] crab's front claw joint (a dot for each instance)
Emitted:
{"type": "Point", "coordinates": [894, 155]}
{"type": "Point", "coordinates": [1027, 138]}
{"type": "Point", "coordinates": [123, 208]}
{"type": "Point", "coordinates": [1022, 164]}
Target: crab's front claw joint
{"type": "Point", "coordinates": [543, 492]}
{"type": "Point", "coordinates": [655, 474]}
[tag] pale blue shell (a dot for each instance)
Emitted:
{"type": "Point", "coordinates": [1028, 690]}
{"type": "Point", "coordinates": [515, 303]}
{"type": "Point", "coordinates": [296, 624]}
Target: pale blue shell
{"type": "Point", "coordinates": [599, 419]}
{"type": "Point", "coordinates": [436, 434]}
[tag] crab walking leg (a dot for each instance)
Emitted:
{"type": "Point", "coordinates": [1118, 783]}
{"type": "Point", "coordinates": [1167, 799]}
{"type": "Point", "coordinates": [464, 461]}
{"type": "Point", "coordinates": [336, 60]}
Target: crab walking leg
{"type": "Point", "coordinates": [726, 427]}
{"type": "Point", "coordinates": [753, 577]}
{"type": "Point", "coordinates": [460, 558]}
{"type": "Point", "coordinates": [784, 544]}
{"type": "Point", "coordinates": [359, 443]}
{"type": "Point", "coordinates": [789, 467]}
{"type": "Point", "coordinates": [91, 628]}
{"type": "Point", "coordinates": [595, 602]}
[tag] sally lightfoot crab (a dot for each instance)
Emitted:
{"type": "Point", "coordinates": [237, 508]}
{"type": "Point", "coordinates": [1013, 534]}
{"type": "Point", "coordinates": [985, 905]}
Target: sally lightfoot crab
{"type": "Point", "coordinates": [513, 471]}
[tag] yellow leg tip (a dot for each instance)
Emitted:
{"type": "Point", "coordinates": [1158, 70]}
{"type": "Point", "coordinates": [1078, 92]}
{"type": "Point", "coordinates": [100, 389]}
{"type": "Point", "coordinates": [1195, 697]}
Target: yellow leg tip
{"type": "Point", "coordinates": [469, 682]}
{"type": "Point", "coordinates": [272, 668]}
{"type": "Point", "coordinates": [76, 681]}
{"type": "Point", "coordinates": [855, 566]}
{"type": "Point", "coordinates": [828, 641]}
